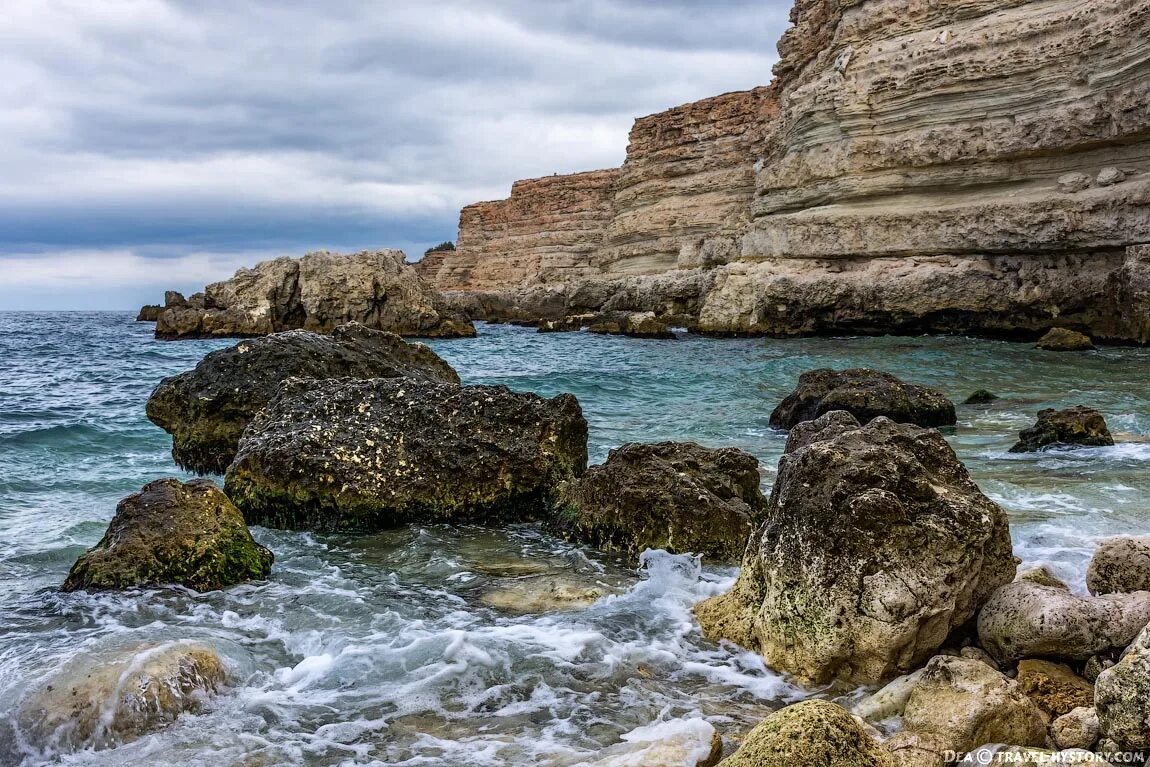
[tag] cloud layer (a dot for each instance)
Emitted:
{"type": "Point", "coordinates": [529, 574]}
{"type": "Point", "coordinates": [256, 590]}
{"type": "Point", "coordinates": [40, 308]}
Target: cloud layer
{"type": "Point", "coordinates": [154, 143]}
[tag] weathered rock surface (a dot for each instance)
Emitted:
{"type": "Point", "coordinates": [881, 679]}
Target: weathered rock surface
{"type": "Point", "coordinates": [99, 702]}
{"type": "Point", "coordinates": [864, 393]}
{"type": "Point", "coordinates": [1065, 340]}
{"type": "Point", "coordinates": [890, 701]}
{"type": "Point", "coordinates": [960, 704]}
{"type": "Point", "coordinates": [876, 545]}
{"type": "Point", "coordinates": [1075, 426]}
{"type": "Point", "coordinates": [149, 313]}
{"type": "Point", "coordinates": [633, 324]}
{"type": "Point", "coordinates": [207, 409]}
{"type": "Point", "coordinates": [814, 732]}
{"type": "Point", "coordinates": [543, 594]}
{"type": "Point", "coordinates": [319, 292]}
{"type": "Point", "coordinates": [1026, 619]}
{"type": "Point", "coordinates": [1122, 698]}
{"type": "Point", "coordinates": [1054, 687]}
{"type": "Point", "coordinates": [1119, 566]}
{"type": "Point", "coordinates": [1076, 729]}
{"type": "Point", "coordinates": [353, 454]}
{"type": "Point", "coordinates": [676, 496]}
{"type": "Point", "coordinates": [173, 533]}
{"type": "Point", "coordinates": [826, 426]}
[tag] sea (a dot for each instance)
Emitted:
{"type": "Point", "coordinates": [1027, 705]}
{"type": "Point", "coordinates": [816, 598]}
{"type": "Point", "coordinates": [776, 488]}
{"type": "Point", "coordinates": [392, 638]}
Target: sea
{"type": "Point", "coordinates": [406, 647]}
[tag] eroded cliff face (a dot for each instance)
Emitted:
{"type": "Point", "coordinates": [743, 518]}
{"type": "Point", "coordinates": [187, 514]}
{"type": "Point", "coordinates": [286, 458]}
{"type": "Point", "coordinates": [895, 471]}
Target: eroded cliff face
{"type": "Point", "coordinates": [972, 165]}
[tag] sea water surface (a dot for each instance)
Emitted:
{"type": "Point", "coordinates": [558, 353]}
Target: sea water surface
{"type": "Point", "coordinates": [381, 650]}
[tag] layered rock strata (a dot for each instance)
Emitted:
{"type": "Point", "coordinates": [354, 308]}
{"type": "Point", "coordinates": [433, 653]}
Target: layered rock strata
{"type": "Point", "coordinates": [981, 166]}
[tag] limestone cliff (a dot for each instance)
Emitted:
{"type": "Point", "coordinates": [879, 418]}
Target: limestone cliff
{"type": "Point", "coordinates": [972, 165]}
{"type": "Point", "coordinates": [317, 292]}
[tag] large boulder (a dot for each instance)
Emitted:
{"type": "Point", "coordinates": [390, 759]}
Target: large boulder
{"type": "Point", "coordinates": [1026, 619]}
{"type": "Point", "coordinates": [1065, 340]}
{"type": "Point", "coordinates": [876, 545]}
{"type": "Point", "coordinates": [349, 454]}
{"type": "Point", "coordinates": [98, 702]}
{"type": "Point", "coordinates": [173, 533]}
{"type": "Point", "coordinates": [207, 409]}
{"type": "Point", "coordinates": [959, 704]}
{"type": "Point", "coordinates": [1122, 697]}
{"type": "Point", "coordinates": [866, 394]}
{"type": "Point", "coordinates": [318, 292]}
{"type": "Point", "coordinates": [676, 496]}
{"type": "Point", "coordinates": [814, 732]}
{"type": "Point", "coordinates": [1119, 566]}
{"type": "Point", "coordinates": [1076, 426]}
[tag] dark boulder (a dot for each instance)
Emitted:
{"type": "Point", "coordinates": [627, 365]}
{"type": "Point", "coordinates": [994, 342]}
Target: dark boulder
{"type": "Point", "coordinates": [866, 394]}
{"type": "Point", "coordinates": [173, 533]}
{"type": "Point", "coordinates": [676, 496]}
{"type": "Point", "coordinates": [981, 397]}
{"type": "Point", "coordinates": [149, 313]}
{"type": "Point", "coordinates": [1076, 426]}
{"type": "Point", "coordinates": [348, 454]}
{"type": "Point", "coordinates": [826, 426]}
{"type": "Point", "coordinates": [1065, 340]}
{"type": "Point", "coordinates": [206, 409]}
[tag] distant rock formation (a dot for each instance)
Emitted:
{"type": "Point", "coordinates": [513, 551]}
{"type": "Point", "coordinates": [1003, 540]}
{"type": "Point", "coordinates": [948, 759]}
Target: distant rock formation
{"type": "Point", "coordinates": [149, 313]}
{"type": "Point", "coordinates": [979, 167]}
{"type": "Point", "coordinates": [318, 292]}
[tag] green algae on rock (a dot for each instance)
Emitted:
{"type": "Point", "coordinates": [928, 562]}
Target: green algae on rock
{"type": "Point", "coordinates": [866, 394]}
{"type": "Point", "coordinates": [1077, 426]}
{"type": "Point", "coordinates": [173, 533]}
{"type": "Point", "coordinates": [814, 732]}
{"type": "Point", "coordinates": [348, 454]}
{"type": "Point", "coordinates": [676, 496]}
{"type": "Point", "coordinates": [1065, 340]}
{"type": "Point", "coordinates": [206, 409]}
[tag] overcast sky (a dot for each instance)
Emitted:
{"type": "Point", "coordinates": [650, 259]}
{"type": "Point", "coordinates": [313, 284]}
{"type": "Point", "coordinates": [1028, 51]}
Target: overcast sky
{"type": "Point", "coordinates": [147, 144]}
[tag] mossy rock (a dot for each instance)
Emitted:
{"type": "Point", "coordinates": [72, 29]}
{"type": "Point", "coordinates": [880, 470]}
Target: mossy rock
{"type": "Point", "coordinates": [1077, 426]}
{"type": "Point", "coordinates": [814, 732]}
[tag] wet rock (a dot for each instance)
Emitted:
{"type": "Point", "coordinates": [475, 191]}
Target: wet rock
{"type": "Point", "coordinates": [1120, 565]}
{"type": "Point", "coordinates": [980, 397]}
{"type": "Point", "coordinates": [570, 324]}
{"type": "Point", "coordinates": [676, 496]}
{"type": "Point", "coordinates": [1122, 699]}
{"type": "Point", "coordinates": [960, 704]}
{"type": "Point", "coordinates": [876, 545]}
{"type": "Point", "coordinates": [318, 292]}
{"type": "Point", "coordinates": [349, 454]}
{"type": "Point", "coordinates": [826, 426]}
{"type": "Point", "coordinates": [633, 324]}
{"type": "Point", "coordinates": [207, 409]}
{"type": "Point", "coordinates": [1075, 426]}
{"type": "Point", "coordinates": [1054, 687]}
{"type": "Point", "coordinates": [173, 533]}
{"type": "Point", "coordinates": [1065, 340]}
{"type": "Point", "coordinates": [543, 594]}
{"type": "Point", "coordinates": [149, 313]}
{"type": "Point", "coordinates": [675, 743]}
{"type": "Point", "coordinates": [1078, 728]}
{"type": "Point", "coordinates": [866, 394]}
{"type": "Point", "coordinates": [890, 701]}
{"type": "Point", "coordinates": [1026, 620]}
{"type": "Point", "coordinates": [814, 732]}
{"type": "Point", "coordinates": [98, 702]}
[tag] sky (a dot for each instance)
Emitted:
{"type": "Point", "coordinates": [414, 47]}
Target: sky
{"type": "Point", "coordinates": [156, 144]}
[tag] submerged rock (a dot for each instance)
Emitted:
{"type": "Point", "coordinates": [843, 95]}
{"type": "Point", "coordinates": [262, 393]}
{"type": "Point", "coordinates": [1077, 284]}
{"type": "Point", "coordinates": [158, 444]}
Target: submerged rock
{"type": "Point", "coordinates": [876, 545]}
{"type": "Point", "coordinates": [1075, 426]}
{"type": "Point", "coordinates": [675, 743]}
{"type": "Point", "coordinates": [543, 594]}
{"type": "Point", "coordinates": [207, 409]}
{"type": "Point", "coordinates": [319, 292]}
{"type": "Point", "coordinates": [676, 496]}
{"type": "Point", "coordinates": [173, 533]}
{"type": "Point", "coordinates": [1065, 340]}
{"type": "Point", "coordinates": [960, 704]}
{"type": "Point", "coordinates": [1026, 619]}
{"type": "Point", "coordinates": [814, 732]}
{"type": "Point", "coordinates": [149, 313]}
{"type": "Point", "coordinates": [1054, 687]}
{"type": "Point", "coordinates": [866, 394]}
{"type": "Point", "coordinates": [348, 454]}
{"type": "Point", "coordinates": [980, 397]}
{"type": "Point", "coordinates": [633, 324]}
{"type": "Point", "coordinates": [102, 702]}
{"type": "Point", "coordinates": [1119, 566]}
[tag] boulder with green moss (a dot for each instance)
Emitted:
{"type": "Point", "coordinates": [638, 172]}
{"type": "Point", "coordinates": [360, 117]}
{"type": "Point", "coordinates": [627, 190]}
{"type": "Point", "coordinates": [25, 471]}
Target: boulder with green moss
{"type": "Point", "coordinates": [676, 496]}
{"type": "Point", "coordinates": [351, 454]}
{"type": "Point", "coordinates": [173, 532]}
{"type": "Point", "coordinates": [206, 409]}
{"type": "Point", "coordinates": [814, 732]}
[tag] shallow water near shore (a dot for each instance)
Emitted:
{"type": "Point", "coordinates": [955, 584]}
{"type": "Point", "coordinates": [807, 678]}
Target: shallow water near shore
{"type": "Point", "coordinates": [383, 649]}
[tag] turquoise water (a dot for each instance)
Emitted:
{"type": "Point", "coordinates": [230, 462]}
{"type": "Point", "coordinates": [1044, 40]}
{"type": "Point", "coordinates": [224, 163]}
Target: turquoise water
{"type": "Point", "coordinates": [384, 649]}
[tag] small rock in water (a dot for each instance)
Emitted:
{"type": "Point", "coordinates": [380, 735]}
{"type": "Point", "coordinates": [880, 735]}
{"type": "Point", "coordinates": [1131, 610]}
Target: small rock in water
{"type": "Point", "coordinates": [1119, 566]}
{"type": "Point", "coordinates": [675, 743]}
{"type": "Point", "coordinates": [149, 313]}
{"type": "Point", "coordinates": [633, 324]}
{"type": "Point", "coordinates": [814, 732]}
{"type": "Point", "coordinates": [981, 397]}
{"type": "Point", "coordinates": [1065, 340]}
{"type": "Point", "coordinates": [104, 701]}
{"type": "Point", "coordinates": [866, 394]}
{"type": "Point", "coordinates": [543, 594]}
{"type": "Point", "coordinates": [173, 533]}
{"type": "Point", "coordinates": [1077, 426]}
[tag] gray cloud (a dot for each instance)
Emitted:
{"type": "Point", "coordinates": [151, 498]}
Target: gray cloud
{"type": "Point", "coordinates": [210, 131]}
